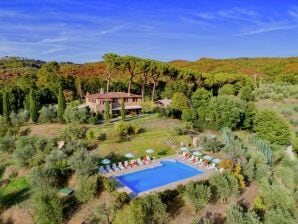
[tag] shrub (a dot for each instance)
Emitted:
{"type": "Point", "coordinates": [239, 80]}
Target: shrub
{"type": "Point", "coordinates": [287, 112]}
{"type": "Point", "coordinates": [148, 107]}
{"type": "Point", "coordinates": [227, 89]}
{"type": "Point", "coordinates": [189, 115]}
{"type": "Point", "coordinates": [201, 97]}
{"type": "Point", "coordinates": [121, 198]}
{"type": "Point", "coordinates": [85, 188]}
{"type": "Point", "coordinates": [269, 126]}
{"type": "Point", "coordinates": [236, 215]}
{"type": "Point", "coordinates": [224, 184]}
{"type": "Point", "coordinates": [73, 132]}
{"type": "Point", "coordinates": [7, 143]}
{"type": "Point", "coordinates": [47, 207]}
{"type": "Point", "coordinates": [83, 162]}
{"type": "Point", "coordinates": [48, 114]}
{"type": "Point", "coordinates": [180, 130]}
{"type": "Point", "coordinates": [246, 93]}
{"type": "Point", "coordinates": [198, 195]}
{"type": "Point", "coordinates": [109, 184]}
{"type": "Point", "coordinates": [295, 108]}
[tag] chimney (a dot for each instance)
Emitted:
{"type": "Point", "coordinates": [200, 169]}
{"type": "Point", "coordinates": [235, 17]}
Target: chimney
{"type": "Point", "coordinates": [102, 91]}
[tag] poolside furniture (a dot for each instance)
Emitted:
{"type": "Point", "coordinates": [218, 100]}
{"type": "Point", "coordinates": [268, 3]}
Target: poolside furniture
{"type": "Point", "coordinates": [102, 170]}
{"type": "Point", "coordinates": [121, 166]}
{"type": "Point", "coordinates": [182, 155]}
{"type": "Point", "coordinates": [105, 161]}
{"type": "Point", "coordinates": [126, 164]}
{"type": "Point", "coordinates": [108, 168]}
{"type": "Point", "coordinates": [133, 163]}
{"type": "Point", "coordinates": [212, 166]}
{"type": "Point", "coordinates": [148, 159]}
{"type": "Point", "coordinates": [205, 163]}
{"type": "Point", "coordinates": [191, 158]}
{"type": "Point", "coordinates": [140, 162]}
{"type": "Point", "coordinates": [114, 166]}
{"type": "Point", "coordinates": [195, 159]}
{"type": "Point", "coordinates": [186, 156]}
{"type": "Point", "coordinates": [200, 162]}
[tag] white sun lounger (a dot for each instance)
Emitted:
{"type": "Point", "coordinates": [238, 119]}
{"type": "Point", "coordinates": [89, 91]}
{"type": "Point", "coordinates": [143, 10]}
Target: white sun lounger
{"type": "Point", "coordinates": [182, 155]}
{"type": "Point", "coordinates": [140, 163]}
{"type": "Point", "coordinates": [121, 166]}
{"type": "Point", "coordinates": [126, 164]}
{"type": "Point", "coordinates": [108, 168]}
{"type": "Point", "coordinates": [199, 162]}
{"type": "Point", "coordinates": [102, 170]}
{"type": "Point", "coordinates": [114, 166]}
{"type": "Point", "coordinates": [212, 166]}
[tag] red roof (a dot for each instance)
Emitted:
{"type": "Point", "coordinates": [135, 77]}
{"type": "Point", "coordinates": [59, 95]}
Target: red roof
{"type": "Point", "coordinates": [113, 95]}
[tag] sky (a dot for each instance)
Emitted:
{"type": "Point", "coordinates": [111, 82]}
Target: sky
{"type": "Point", "coordinates": [83, 30]}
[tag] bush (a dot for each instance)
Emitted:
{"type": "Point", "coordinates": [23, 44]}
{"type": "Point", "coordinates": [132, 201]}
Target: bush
{"type": "Point", "coordinates": [83, 162]}
{"type": "Point", "coordinates": [125, 129]}
{"type": "Point", "coordinates": [7, 143]}
{"type": "Point", "coordinates": [180, 130]}
{"type": "Point", "coordinates": [48, 114]}
{"type": "Point", "coordinates": [287, 112]}
{"type": "Point", "coordinates": [121, 198]}
{"type": "Point", "coordinates": [246, 93]}
{"type": "Point", "coordinates": [73, 114]}
{"type": "Point", "coordinates": [148, 107]}
{"type": "Point", "coordinates": [47, 207]}
{"type": "Point", "coordinates": [189, 115]}
{"type": "Point", "coordinates": [73, 132]}
{"type": "Point", "coordinates": [295, 108]}
{"type": "Point", "coordinates": [227, 89]}
{"type": "Point", "coordinates": [198, 195]}
{"type": "Point", "coordinates": [269, 126]}
{"type": "Point", "coordinates": [85, 188]}
{"type": "Point", "coordinates": [109, 184]}
{"type": "Point", "coordinates": [224, 184]}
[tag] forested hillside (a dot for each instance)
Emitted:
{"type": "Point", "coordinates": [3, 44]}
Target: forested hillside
{"type": "Point", "coordinates": [272, 69]}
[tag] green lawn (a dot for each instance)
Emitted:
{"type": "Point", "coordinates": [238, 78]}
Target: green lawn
{"type": "Point", "coordinates": [14, 192]}
{"type": "Point", "coordinates": [156, 131]}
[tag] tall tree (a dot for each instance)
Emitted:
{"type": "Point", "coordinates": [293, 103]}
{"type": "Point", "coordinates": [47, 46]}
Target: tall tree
{"type": "Point", "coordinates": [123, 111]}
{"type": "Point", "coordinates": [107, 112]}
{"type": "Point", "coordinates": [131, 64]}
{"type": "Point", "coordinates": [61, 104]}
{"type": "Point", "coordinates": [6, 107]}
{"type": "Point", "coordinates": [48, 76]}
{"type": "Point", "coordinates": [144, 66]}
{"type": "Point", "coordinates": [112, 62]}
{"type": "Point", "coordinates": [157, 69]}
{"type": "Point", "coordinates": [33, 106]}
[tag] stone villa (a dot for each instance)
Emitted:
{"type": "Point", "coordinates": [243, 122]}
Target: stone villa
{"type": "Point", "coordinates": [96, 102]}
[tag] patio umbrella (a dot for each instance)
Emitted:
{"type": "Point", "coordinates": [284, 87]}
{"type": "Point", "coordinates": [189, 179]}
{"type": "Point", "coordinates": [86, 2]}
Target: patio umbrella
{"type": "Point", "coordinates": [150, 151]}
{"type": "Point", "coordinates": [106, 161]}
{"type": "Point", "coordinates": [184, 149]}
{"type": "Point", "coordinates": [129, 155]}
{"type": "Point", "coordinates": [208, 157]}
{"type": "Point", "coordinates": [197, 153]}
{"type": "Point", "coordinates": [217, 161]}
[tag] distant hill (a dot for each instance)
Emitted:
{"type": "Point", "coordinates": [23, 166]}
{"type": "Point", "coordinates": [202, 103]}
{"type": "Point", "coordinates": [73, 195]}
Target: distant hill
{"type": "Point", "coordinates": [284, 69]}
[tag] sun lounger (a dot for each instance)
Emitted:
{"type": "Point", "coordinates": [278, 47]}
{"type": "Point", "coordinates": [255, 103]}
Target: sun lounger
{"type": "Point", "coordinates": [126, 164]}
{"type": "Point", "coordinates": [121, 166]}
{"type": "Point", "coordinates": [195, 159]}
{"type": "Point", "coordinates": [211, 166]}
{"type": "Point", "coordinates": [200, 162]}
{"type": "Point", "coordinates": [148, 158]}
{"type": "Point", "coordinates": [182, 155]}
{"type": "Point", "coordinates": [114, 166]}
{"type": "Point", "coordinates": [102, 170]}
{"type": "Point", "coordinates": [133, 163]}
{"type": "Point", "coordinates": [140, 162]}
{"type": "Point", "coordinates": [108, 168]}
{"type": "Point", "coordinates": [186, 156]}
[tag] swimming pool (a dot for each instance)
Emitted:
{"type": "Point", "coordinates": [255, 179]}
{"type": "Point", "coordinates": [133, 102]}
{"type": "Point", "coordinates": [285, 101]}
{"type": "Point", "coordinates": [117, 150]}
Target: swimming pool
{"type": "Point", "coordinates": [167, 172]}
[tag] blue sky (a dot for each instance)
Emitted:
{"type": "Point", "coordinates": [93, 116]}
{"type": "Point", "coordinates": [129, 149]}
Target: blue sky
{"type": "Point", "coordinates": [83, 30]}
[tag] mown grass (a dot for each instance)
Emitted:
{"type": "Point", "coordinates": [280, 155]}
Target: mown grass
{"type": "Point", "coordinates": [14, 192]}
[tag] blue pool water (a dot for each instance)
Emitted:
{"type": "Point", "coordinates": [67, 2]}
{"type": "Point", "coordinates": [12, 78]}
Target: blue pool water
{"type": "Point", "coordinates": [168, 172]}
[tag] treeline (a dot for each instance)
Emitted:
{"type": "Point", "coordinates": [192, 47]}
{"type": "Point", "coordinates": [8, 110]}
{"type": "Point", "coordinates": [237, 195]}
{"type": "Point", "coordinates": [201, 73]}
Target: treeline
{"type": "Point", "coordinates": [141, 76]}
{"type": "Point", "coordinates": [269, 69]}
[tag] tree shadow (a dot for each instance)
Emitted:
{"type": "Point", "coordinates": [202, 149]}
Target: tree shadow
{"type": "Point", "coordinates": [15, 197]}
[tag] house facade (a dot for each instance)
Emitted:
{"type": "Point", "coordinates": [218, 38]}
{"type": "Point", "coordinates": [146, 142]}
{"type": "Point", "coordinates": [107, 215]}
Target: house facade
{"type": "Point", "coordinates": [96, 102]}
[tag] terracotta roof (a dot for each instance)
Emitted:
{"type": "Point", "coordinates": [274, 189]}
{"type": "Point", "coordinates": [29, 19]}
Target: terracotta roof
{"type": "Point", "coordinates": [112, 95]}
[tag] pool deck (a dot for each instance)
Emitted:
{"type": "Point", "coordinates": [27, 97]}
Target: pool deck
{"type": "Point", "coordinates": [122, 188]}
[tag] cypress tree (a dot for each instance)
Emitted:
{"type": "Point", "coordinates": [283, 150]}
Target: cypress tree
{"type": "Point", "coordinates": [123, 111]}
{"type": "Point", "coordinates": [107, 112]}
{"type": "Point", "coordinates": [33, 106]}
{"type": "Point", "coordinates": [6, 107]}
{"type": "Point", "coordinates": [61, 104]}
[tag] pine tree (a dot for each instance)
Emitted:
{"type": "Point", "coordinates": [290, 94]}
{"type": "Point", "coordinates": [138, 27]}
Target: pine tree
{"type": "Point", "coordinates": [107, 112]}
{"type": "Point", "coordinates": [6, 107]}
{"type": "Point", "coordinates": [33, 106]}
{"type": "Point", "coordinates": [123, 111]}
{"type": "Point", "coordinates": [61, 105]}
